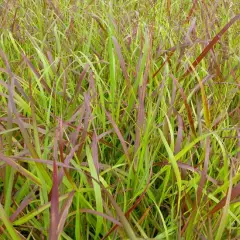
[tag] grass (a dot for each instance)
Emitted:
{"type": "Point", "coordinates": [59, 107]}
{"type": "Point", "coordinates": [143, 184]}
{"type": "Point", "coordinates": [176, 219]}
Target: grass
{"type": "Point", "coordinates": [119, 119]}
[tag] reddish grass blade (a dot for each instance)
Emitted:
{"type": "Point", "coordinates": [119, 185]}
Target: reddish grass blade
{"type": "Point", "coordinates": [189, 168]}
{"type": "Point", "coordinates": [188, 108]}
{"type": "Point", "coordinates": [198, 87]}
{"type": "Point", "coordinates": [99, 22]}
{"type": "Point", "coordinates": [64, 213]}
{"type": "Point", "coordinates": [145, 214]}
{"type": "Point", "coordinates": [47, 162]}
{"type": "Point", "coordinates": [194, 5]}
{"type": "Point", "coordinates": [92, 85]}
{"type": "Point", "coordinates": [25, 202]}
{"type": "Point", "coordinates": [120, 137]}
{"type": "Point", "coordinates": [189, 224]}
{"type": "Point", "coordinates": [179, 135]}
{"type": "Point", "coordinates": [26, 125]}
{"type": "Point", "coordinates": [86, 122]}
{"type": "Point", "coordinates": [36, 73]}
{"type": "Point", "coordinates": [238, 135]}
{"type": "Point", "coordinates": [12, 109]}
{"type": "Point", "coordinates": [169, 7]}
{"type": "Point", "coordinates": [94, 147]}
{"type": "Point", "coordinates": [204, 172]}
{"type": "Point", "coordinates": [126, 225]}
{"type": "Point", "coordinates": [235, 193]}
{"type": "Point", "coordinates": [53, 234]}
{"type": "Point", "coordinates": [59, 164]}
{"type": "Point", "coordinates": [139, 199]}
{"type": "Point", "coordinates": [167, 60]}
{"type": "Point", "coordinates": [110, 218]}
{"type": "Point", "coordinates": [122, 62]}
{"type": "Point", "coordinates": [187, 42]}
{"type": "Point", "coordinates": [81, 77]}
{"type": "Point", "coordinates": [61, 140]}
{"type": "Point", "coordinates": [55, 8]}
{"type": "Point", "coordinates": [11, 106]}
{"type": "Point", "coordinates": [141, 109]}
{"type": "Point", "coordinates": [19, 168]}
{"type": "Point", "coordinates": [19, 88]}
{"type": "Point", "coordinates": [51, 61]}
{"type": "Point", "coordinates": [74, 136]}
{"type": "Point", "coordinates": [102, 135]}
{"type": "Point", "coordinates": [58, 143]}
{"type": "Point", "coordinates": [210, 45]}
{"type": "Point", "coordinates": [55, 146]}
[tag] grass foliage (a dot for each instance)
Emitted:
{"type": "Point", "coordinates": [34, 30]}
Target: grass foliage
{"type": "Point", "coordinates": [119, 119]}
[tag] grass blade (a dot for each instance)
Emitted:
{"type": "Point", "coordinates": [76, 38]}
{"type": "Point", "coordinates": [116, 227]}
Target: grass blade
{"type": "Point", "coordinates": [8, 224]}
{"type": "Point", "coordinates": [210, 45]}
{"type": "Point", "coordinates": [54, 217]}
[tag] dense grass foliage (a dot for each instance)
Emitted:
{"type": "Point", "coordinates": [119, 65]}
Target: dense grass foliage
{"type": "Point", "coordinates": [119, 119]}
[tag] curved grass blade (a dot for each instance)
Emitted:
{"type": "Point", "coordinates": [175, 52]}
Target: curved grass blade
{"type": "Point", "coordinates": [210, 45]}
{"type": "Point", "coordinates": [36, 212]}
{"type": "Point", "coordinates": [20, 169]}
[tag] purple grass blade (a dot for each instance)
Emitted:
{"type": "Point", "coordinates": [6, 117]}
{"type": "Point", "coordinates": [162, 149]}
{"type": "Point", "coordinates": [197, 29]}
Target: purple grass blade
{"type": "Point", "coordinates": [119, 134]}
{"type": "Point", "coordinates": [122, 62]}
{"type": "Point", "coordinates": [64, 212]}
{"type": "Point", "coordinates": [94, 147]}
{"type": "Point", "coordinates": [110, 218]}
{"type": "Point", "coordinates": [54, 216]}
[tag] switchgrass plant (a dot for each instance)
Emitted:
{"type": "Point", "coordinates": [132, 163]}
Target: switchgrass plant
{"type": "Point", "coordinates": [119, 119]}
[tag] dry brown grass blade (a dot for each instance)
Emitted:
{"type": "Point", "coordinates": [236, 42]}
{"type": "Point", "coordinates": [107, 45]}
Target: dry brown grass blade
{"type": "Point", "coordinates": [169, 3]}
{"type": "Point", "coordinates": [210, 45]}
